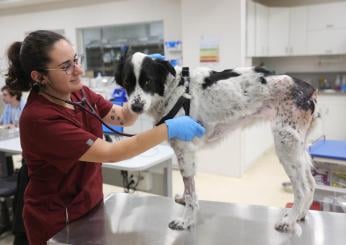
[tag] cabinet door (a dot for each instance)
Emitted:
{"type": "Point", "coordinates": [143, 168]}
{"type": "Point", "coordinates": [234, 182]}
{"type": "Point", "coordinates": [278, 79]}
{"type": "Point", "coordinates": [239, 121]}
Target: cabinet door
{"type": "Point", "coordinates": [250, 28]}
{"type": "Point", "coordinates": [333, 116]}
{"type": "Point", "coordinates": [327, 16]}
{"type": "Point", "coordinates": [297, 34]}
{"type": "Point", "coordinates": [261, 30]}
{"type": "Point", "coordinates": [327, 41]}
{"type": "Point", "coordinates": [278, 31]}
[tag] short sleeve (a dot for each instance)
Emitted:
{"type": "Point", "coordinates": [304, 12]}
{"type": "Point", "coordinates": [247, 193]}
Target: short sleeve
{"type": "Point", "coordinates": [61, 142]}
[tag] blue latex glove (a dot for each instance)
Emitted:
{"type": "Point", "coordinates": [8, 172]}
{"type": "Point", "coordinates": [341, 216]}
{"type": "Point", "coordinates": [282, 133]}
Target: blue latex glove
{"type": "Point", "coordinates": [156, 56]}
{"type": "Point", "coordinates": [184, 128]}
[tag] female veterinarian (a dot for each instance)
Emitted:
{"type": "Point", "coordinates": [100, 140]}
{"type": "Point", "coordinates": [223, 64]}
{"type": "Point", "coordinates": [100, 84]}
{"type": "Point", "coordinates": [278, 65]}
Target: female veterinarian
{"type": "Point", "coordinates": [62, 144]}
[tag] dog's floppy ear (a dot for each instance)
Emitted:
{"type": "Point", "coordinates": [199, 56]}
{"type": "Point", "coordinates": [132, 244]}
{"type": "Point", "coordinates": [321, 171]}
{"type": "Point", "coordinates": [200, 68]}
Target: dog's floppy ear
{"type": "Point", "coordinates": [167, 66]}
{"type": "Point", "coordinates": [118, 76]}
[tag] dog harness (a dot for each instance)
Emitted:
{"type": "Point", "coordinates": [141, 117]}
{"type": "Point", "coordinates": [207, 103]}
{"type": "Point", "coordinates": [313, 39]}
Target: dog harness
{"type": "Point", "coordinates": [183, 101]}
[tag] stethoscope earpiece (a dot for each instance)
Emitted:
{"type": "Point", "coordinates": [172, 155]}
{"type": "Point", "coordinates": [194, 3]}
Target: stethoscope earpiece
{"type": "Point", "coordinates": [36, 87]}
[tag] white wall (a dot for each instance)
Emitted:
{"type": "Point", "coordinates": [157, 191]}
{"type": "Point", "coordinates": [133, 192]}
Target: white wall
{"type": "Point", "coordinates": [186, 20]}
{"type": "Point", "coordinates": [223, 20]}
{"type": "Point", "coordinates": [211, 19]}
{"type": "Point", "coordinates": [14, 27]}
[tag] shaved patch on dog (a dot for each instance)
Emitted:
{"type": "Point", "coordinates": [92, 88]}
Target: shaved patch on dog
{"type": "Point", "coordinates": [216, 76]}
{"type": "Point", "coordinates": [302, 94]}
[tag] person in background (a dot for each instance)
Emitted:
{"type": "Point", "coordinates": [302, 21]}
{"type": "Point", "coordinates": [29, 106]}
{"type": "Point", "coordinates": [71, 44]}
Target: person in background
{"type": "Point", "coordinates": [62, 144]}
{"type": "Point", "coordinates": [14, 104]}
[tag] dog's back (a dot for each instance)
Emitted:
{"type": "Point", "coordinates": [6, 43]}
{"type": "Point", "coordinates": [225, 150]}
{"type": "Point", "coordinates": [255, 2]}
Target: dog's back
{"type": "Point", "coordinates": [237, 97]}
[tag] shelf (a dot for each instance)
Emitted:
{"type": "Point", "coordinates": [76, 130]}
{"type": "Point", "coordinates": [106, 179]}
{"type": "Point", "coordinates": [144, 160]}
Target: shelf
{"type": "Point", "coordinates": [337, 190]}
{"type": "Point", "coordinates": [329, 160]}
{"type": "Point", "coordinates": [323, 192]}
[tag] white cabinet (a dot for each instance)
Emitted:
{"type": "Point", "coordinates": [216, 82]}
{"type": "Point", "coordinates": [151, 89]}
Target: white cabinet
{"type": "Point", "coordinates": [333, 116]}
{"type": "Point", "coordinates": [327, 41]}
{"type": "Point", "coordinates": [261, 26]}
{"type": "Point", "coordinates": [287, 31]}
{"type": "Point", "coordinates": [297, 36]}
{"type": "Point", "coordinates": [250, 28]}
{"type": "Point", "coordinates": [326, 16]}
{"type": "Point", "coordinates": [317, 29]}
{"type": "Point", "coordinates": [326, 32]}
{"type": "Point", "coordinates": [279, 22]}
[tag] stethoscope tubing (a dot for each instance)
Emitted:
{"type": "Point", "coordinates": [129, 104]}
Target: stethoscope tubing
{"type": "Point", "coordinates": [91, 111]}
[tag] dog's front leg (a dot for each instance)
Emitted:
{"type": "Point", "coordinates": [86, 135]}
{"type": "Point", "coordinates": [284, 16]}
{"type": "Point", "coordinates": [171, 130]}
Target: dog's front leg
{"type": "Point", "coordinates": [189, 198]}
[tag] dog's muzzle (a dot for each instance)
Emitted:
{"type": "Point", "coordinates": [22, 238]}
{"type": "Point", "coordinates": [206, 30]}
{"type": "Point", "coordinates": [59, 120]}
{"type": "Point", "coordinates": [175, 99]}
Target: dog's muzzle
{"type": "Point", "coordinates": [138, 108]}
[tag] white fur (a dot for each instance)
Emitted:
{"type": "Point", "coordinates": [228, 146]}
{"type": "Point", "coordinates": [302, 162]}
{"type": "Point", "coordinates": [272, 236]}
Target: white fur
{"type": "Point", "coordinates": [226, 105]}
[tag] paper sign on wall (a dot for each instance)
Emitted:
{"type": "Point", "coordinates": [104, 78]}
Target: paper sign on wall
{"type": "Point", "coordinates": [209, 50]}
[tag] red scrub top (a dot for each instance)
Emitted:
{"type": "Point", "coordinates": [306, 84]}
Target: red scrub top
{"type": "Point", "coordinates": [53, 138]}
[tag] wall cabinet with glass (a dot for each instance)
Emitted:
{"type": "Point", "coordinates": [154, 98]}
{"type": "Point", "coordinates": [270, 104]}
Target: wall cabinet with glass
{"type": "Point", "coordinates": [103, 46]}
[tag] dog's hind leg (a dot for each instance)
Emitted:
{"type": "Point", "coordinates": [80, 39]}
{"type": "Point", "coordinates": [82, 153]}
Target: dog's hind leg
{"type": "Point", "coordinates": [290, 148]}
{"type": "Point", "coordinates": [186, 161]}
{"type": "Point", "coordinates": [311, 186]}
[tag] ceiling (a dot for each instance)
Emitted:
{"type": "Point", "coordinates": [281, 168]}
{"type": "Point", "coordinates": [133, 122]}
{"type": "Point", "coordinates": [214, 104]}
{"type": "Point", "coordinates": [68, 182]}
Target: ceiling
{"type": "Point", "coordinates": [5, 4]}
{"type": "Point", "coordinates": [8, 7]}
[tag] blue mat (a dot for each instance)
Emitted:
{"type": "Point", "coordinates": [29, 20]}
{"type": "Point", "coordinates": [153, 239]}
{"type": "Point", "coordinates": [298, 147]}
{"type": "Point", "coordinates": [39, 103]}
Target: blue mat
{"type": "Point", "coordinates": [333, 149]}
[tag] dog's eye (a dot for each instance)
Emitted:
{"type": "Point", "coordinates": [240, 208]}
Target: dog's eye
{"type": "Point", "coordinates": [147, 83]}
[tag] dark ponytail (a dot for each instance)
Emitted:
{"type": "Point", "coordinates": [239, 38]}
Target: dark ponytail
{"type": "Point", "coordinates": [15, 78]}
{"type": "Point", "coordinates": [30, 55]}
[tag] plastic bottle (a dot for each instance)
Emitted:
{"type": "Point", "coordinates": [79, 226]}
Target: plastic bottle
{"type": "Point", "coordinates": [343, 83]}
{"type": "Point", "coordinates": [337, 84]}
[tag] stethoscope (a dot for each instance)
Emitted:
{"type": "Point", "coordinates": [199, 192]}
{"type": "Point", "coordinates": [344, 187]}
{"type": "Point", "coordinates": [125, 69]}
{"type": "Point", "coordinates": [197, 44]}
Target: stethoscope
{"type": "Point", "coordinates": [84, 105]}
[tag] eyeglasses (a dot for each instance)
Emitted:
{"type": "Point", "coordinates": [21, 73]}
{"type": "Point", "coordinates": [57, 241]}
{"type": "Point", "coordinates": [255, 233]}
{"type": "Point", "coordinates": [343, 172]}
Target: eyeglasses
{"type": "Point", "coordinates": [68, 67]}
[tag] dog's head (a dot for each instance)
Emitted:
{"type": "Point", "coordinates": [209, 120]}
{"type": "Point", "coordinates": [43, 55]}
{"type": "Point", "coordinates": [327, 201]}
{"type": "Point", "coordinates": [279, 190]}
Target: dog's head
{"type": "Point", "coordinates": [144, 79]}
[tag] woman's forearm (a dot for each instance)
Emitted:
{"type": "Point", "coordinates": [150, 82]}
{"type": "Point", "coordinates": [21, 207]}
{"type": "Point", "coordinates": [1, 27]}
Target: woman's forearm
{"type": "Point", "coordinates": [143, 141]}
{"type": "Point", "coordinates": [102, 151]}
{"type": "Point", "coordinates": [129, 117]}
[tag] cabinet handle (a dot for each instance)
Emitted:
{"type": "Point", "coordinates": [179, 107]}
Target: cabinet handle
{"type": "Point", "coordinates": [329, 26]}
{"type": "Point", "coordinates": [328, 51]}
{"type": "Point", "coordinates": [291, 50]}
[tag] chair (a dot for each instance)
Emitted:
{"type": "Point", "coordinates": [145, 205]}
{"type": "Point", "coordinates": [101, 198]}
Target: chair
{"type": "Point", "coordinates": [8, 188]}
{"type": "Point", "coordinates": [12, 187]}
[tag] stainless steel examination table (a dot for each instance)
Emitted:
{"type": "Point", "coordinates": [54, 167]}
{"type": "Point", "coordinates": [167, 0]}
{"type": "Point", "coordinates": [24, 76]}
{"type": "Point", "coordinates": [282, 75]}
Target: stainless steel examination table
{"type": "Point", "coordinates": [130, 220]}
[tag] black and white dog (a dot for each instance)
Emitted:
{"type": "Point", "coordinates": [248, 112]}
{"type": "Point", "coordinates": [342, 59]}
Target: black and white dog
{"type": "Point", "coordinates": [223, 101]}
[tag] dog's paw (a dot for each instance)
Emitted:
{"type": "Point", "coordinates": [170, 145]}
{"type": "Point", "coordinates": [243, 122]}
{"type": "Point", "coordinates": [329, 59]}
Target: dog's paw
{"type": "Point", "coordinates": [180, 199]}
{"type": "Point", "coordinates": [284, 227]}
{"type": "Point", "coordinates": [288, 227]}
{"type": "Point", "coordinates": [179, 225]}
{"type": "Point", "coordinates": [285, 224]}
{"type": "Point", "coordinates": [302, 217]}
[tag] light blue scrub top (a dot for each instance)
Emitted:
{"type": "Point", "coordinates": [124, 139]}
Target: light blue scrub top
{"type": "Point", "coordinates": [11, 114]}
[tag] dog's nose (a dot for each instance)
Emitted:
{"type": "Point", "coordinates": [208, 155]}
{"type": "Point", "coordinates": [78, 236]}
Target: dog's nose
{"type": "Point", "coordinates": [138, 108]}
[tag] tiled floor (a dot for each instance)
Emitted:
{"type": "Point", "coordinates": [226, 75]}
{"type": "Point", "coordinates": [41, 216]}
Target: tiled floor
{"type": "Point", "coordinates": [260, 185]}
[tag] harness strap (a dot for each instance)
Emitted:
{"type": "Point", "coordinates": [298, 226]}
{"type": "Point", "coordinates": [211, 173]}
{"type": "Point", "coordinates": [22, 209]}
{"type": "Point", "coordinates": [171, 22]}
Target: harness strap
{"type": "Point", "coordinates": [183, 101]}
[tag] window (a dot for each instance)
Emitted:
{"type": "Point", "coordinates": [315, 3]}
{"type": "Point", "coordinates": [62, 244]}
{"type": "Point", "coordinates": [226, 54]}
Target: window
{"type": "Point", "coordinates": [102, 45]}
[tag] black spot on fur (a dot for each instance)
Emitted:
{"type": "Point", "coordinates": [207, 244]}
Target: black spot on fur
{"type": "Point", "coordinates": [302, 95]}
{"type": "Point", "coordinates": [153, 76]}
{"type": "Point", "coordinates": [263, 80]}
{"type": "Point", "coordinates": [264, 71]}
{"type": "Point", "coordinates": [216, 76]}
{"type": "Point", "coordinates": [125, 75]}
